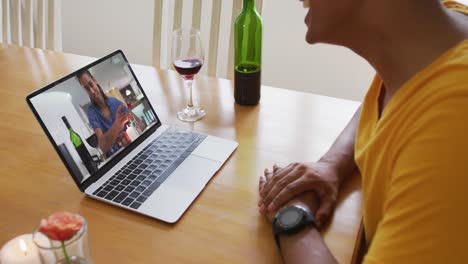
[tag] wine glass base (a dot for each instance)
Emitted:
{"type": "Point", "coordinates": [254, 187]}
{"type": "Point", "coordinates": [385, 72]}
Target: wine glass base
{"type": "Point", "coordinates": [191, 114]}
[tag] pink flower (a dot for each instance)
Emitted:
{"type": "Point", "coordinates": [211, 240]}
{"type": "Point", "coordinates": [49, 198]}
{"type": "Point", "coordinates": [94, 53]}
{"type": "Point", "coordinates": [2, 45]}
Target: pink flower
{"type": "Point", "coordinates": [61, 226]}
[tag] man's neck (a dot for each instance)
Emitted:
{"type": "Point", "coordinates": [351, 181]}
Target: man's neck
{"type": "Point", "coordinates": [101, 102]}
{"type": "Point", "coordinates": [405, 37]}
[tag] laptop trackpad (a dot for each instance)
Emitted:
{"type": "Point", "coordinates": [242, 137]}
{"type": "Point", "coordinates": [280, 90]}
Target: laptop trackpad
{"type": "Point", "coordinates": [175, 195]}
{"type": "Point", "coordinates": [215, 148]}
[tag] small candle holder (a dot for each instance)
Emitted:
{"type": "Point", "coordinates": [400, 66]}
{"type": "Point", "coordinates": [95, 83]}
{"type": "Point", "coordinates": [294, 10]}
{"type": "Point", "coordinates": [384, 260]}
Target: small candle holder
{"type": "Point", "coordinates": [74, 250]}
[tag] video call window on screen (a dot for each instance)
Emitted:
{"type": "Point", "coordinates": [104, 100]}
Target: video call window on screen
{"type": "Point", "coordinates": [95, 114]}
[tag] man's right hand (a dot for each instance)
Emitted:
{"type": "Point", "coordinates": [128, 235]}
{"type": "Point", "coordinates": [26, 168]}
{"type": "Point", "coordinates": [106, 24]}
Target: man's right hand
{"type": "Point", "coordinates": [322, 177]}
{"type": "Point", "coordinates": [121, 117]}
{"type": "Point", "coordinates": [291, 181]}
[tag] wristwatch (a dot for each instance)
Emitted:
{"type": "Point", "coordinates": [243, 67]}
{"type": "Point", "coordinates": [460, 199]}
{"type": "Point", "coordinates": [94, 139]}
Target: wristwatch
{"type": "Point", "coordinates": [290, 220]}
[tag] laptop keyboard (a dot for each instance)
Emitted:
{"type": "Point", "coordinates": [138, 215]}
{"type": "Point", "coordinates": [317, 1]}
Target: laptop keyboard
{"type": "Point", "coordinates": [143, 174]}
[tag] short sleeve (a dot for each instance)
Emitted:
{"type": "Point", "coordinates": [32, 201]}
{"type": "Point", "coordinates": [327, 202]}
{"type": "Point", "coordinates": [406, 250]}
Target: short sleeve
{"type": "Point", "coordinates": [115, 103]}
{"type": "Point", "coordinates": [425, 217]}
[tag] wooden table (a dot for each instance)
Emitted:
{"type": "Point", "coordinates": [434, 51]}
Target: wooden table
{"type": "Point", "coordinates": [223, 224]}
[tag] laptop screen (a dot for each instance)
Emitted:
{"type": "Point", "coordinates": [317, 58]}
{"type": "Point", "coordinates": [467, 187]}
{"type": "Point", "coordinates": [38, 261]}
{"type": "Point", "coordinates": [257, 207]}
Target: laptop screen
{"type": "Point", "coordinates": [94, 114]}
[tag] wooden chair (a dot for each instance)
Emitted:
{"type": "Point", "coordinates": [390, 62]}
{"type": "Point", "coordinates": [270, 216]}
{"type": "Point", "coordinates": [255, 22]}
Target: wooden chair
{"type": "Point", "coordinates": [205, 17]}
{"type": "Point", "coordinates": [31, 23]}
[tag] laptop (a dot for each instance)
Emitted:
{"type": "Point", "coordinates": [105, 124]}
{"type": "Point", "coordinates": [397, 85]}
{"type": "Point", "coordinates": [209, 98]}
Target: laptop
{"type": "Point", "coordinates": [109, 137]}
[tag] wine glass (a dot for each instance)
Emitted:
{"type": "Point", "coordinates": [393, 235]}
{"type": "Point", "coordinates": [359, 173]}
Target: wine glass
{"type": "Point", "coordinates": [187, 58]}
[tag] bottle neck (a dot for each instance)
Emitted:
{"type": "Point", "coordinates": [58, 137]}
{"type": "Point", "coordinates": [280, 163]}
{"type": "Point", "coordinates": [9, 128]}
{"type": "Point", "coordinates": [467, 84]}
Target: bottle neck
{"type": "Point", "coordinates": [64, 119]}
{"type": "Point", "coordinates": [248, 5]}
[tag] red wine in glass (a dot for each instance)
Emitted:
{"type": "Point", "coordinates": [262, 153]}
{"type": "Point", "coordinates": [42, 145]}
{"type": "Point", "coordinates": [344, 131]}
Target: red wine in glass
{"type": "Point", "coordinates": [188, 67]}
{"type": "Point", "coordinates": [187, 57]}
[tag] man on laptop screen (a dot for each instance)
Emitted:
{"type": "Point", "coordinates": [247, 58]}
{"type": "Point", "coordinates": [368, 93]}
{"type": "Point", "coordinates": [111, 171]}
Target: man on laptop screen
{"type": "Point", "coordinates": [95, 122]}
{"type": "Point", "coordinates": [108, 116]}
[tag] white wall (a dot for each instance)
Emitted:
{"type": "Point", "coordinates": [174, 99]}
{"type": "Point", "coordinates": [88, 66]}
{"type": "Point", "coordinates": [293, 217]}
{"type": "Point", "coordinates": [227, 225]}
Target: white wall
{"type": "Point", "coordinates": [289, 62]}
{"type": "Point", "coordinates": [47, 105]}
{"type": "Point", "coordinates": [96, 28]}
{"type": "Point", "coordinates": [113, 73]}
{"type": "Point", "coordinates": [77, 95]}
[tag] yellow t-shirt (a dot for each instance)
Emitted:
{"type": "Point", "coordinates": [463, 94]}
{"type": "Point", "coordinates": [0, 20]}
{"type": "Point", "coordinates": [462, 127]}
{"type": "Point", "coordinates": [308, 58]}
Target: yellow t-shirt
{"type": "Point", "coordinates": [414, 166]}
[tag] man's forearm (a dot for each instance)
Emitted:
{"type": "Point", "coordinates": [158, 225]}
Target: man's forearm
{"type": "Point", "coordinates": [307, 246]}
{"type": "Point", "coordinates": [341, 153]}
{"type": "Point", "coordinates": [108, 139]}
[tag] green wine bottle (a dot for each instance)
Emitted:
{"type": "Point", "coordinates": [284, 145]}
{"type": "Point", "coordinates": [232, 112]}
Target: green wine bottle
{"type": "Point", "coordinates": [248, 55]}
{"type": "Point", "coordinates": [80, 147]}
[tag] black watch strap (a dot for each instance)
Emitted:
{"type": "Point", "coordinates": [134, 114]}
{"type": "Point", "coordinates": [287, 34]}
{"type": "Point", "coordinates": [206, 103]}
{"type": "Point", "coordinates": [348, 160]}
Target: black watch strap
{"type": "Point", "coordinates": [275, 234]}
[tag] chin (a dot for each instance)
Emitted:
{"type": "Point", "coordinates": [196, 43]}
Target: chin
{"type": "Point", "coordinates": [316, 35]}
{"type": "Point", "coordinates": [311, 38]}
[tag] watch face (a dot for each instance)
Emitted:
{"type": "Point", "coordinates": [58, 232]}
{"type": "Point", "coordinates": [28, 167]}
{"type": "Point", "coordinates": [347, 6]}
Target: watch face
{"type": "Point", "coordinates": [290, 218]}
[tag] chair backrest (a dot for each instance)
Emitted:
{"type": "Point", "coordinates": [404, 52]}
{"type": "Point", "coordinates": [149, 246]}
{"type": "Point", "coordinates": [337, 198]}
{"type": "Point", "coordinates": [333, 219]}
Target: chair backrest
{"type": "Point", "coordinates": [217, 33]}
{"type": "Point", "coordinates": [31, 23]}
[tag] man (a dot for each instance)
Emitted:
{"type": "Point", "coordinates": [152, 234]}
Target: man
{"type": "Point", "coordinates": [107, 115]}
{"type": "Point", "coordinates": [408, 139]}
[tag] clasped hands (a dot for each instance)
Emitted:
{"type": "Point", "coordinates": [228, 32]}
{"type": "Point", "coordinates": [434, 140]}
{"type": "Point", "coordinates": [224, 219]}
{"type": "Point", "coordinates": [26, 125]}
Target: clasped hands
{"type": "Point", "coordinates": [314, 185]}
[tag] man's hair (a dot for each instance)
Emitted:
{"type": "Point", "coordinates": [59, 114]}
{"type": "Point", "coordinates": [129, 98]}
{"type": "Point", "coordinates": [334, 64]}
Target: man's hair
{"type": "Point", "coordinates": [83, 72]}
{"type": "Point", "coordinates": [79, 74]}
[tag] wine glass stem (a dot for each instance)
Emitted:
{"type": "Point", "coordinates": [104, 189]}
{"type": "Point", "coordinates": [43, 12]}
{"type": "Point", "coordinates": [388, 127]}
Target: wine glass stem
{"type": "Point", "coordinates": [189, 83]}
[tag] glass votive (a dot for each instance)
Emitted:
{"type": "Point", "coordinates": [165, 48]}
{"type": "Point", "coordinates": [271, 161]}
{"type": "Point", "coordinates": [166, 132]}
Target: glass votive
{"type": "Point", "coordinates": [74, 250]}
